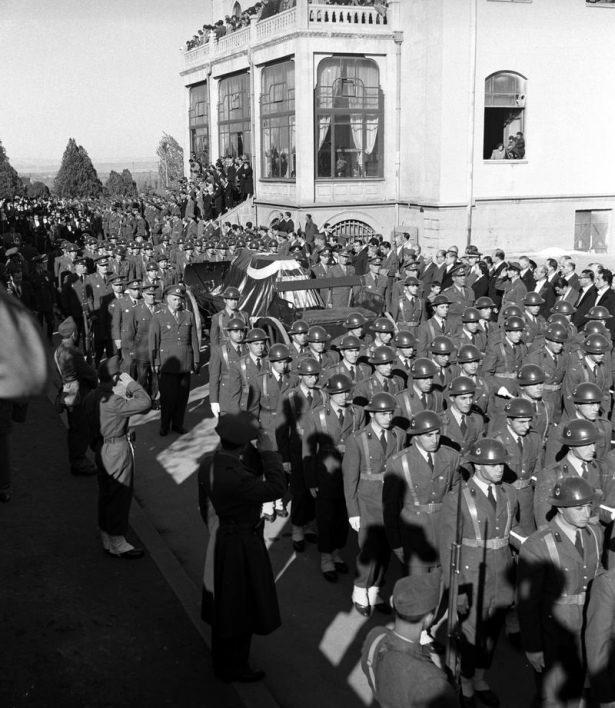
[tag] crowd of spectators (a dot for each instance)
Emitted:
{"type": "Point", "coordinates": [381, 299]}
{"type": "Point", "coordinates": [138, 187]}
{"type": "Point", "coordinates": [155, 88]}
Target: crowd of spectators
{"type": "Point", "coordinates": [513, 150]}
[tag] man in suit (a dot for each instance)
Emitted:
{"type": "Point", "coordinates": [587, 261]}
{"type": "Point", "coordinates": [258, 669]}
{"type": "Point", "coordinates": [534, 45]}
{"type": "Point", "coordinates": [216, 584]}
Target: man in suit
{"type": "Point", "coordinates": [496, 287]}
{"type": "Point", "coordinates": [569, 273]}
{"type": "Point", "coordinates": [564, 292]}
{"type": "Point", "coordinates": [449, 266]}
{"type": "Point", "coordinates": [552, 270]}
{"type": "Point", "coordinates": [606, 296]}
{"type": "Point", "coordinates": [526, 274]}
{"type": "Point", "coordinates": [543, 287]}
{"type": "Point", "coordinates": [433, 271]}
{"type": "Point", "coordinates": [586, 298]}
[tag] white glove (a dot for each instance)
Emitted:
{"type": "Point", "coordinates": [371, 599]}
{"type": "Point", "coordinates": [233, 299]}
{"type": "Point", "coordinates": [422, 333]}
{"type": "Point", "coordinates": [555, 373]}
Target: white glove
{"type": "Point", "coordinates": [286, 467]}
{"type": "Point", "coordinates": [503, 391]}
{"type": "Point", "coordinates": [355, 523]}
{"type": "Point", "coordinates": [215, 409]}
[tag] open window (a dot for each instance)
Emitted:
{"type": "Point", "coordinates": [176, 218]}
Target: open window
{"type": "Point", "coordinates": [504, 131]}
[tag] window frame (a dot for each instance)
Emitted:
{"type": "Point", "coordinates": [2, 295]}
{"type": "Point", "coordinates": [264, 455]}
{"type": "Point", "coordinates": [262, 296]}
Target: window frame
{"type": "Point", "coordinates": [281, 111]}
{"type": "Point", "coordinates": [199, 121]}
{"type": "Point", "coordinates": [523, 114]}
{"type": "Point", "coordinates": [225, 109]}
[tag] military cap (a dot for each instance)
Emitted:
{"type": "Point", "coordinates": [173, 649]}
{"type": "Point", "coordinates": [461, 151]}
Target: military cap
{"type": "Point", "coordinates": [514, 324]}
{"type": "Point", "coordinates": [563, 308]}
{"type": "Point", "coordinates": [572, 491]}
{"type": "Point", "coordinates": [530, 375]}
{"type": "Point", "coordinates": [423, 369]}
{"type": "Point", "coordinates": [67, 328]}
{"type": "Point", "coordinates": [147, 246]}
{"type": "Point", "coordinates": [558, 319]}
{"type": "Point", "coordinates": [459, 270]}
{"type": "Point", "coordinates": [468, 353]}
{"type": "Point", "coordinates": [596, 327]}
{"type": "Point", "coordinates": [149, 289]}
{"type": "Point", "coordinates": [375, 260]}
{"type": "Point", "coordinates": [299, 327]}
{"type": "Point", "coordinates": [587, 392]}
{"type": "Point", "coordinates": [256, 334]}
{"type": "Point", "coordinates": [533, 298]}
{"type": "Point", "coordinates": [338, 383]}
{"type": "Point", "coordinates": [318, 334]}
{"type": "Point", "coordinates": [134, 285]}
{"type": "Point", "coordinates": [413, 267]}
{"type": "Point", "coordinates": [556, 333]}
{"type": "Point", "coordinates": [176, 290]}
{"type": "Point", "coordinates": [424, 422]}
{"type": "Point", "coordinates": [349, 342]}
{"type": "Point", "coordinates": [279, 352]}
{"type": "Point", "coordinates": [483, 302]}
{"type": "Point", "coordinates": [519, 408]}
{"type": "Point", "coordinates": [411, 280]}
{"type": "Point", "coordinates": [120, 251]}
{"type": "Point", "coordinates": [383, 324]}
{"type": "Point", "coordinates": [108, 368]}
{"type": "Point", "coordinates": [231, 293]}
{"type": "Point", "coordinates": [355, 320]}
{"type": "Point", "coordinates": [404, 340]}
{"type": "Point", "coordinates": [72, 248]}
{"type": "Point", "coordinates": [442, 345]}
{"type": "Point", "coordinates": [460, 386]}
{"type": "Point", "coordinates": [513, 265]}
{"type": "Point", "coordinates": [381, 403]}
{"type": "Point", "coordinates": [487, 451]}
{"type": "Point", "coordinates": [308, 367]}
{"type": "Point", "coordinates": [162, 257]}
{"type": "Point", "coordinates": [102, 261]}
{"type": "Point", "coordinates": [236, 323]}
{"type": "Point", "coordinates": [579, 432]}
{"type": "Point", "coordinates": [151, 266]}
{"type": "Point", "coordinates": [598, 312]}
{"type": "Point", "coordinates": [470, 314]}
{"type": "Point", "coordinates": [441, 300]}
{"type": "Point", "coordinates": [117, 280]}
{"type": "Point", "coordinates": [238, 428]}
{"type": "Point", "coordinates": [78, 261]}
{"type": "Point", "coordinates": [596, 344]}
{"type": "Point", "coordinates": [382, 355]}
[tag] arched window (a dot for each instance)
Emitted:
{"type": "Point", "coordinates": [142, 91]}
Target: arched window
{"type": "Point", "coordinates": [504, 133]}
{"type": "Point", "coordinates": [199, 122]}
{"type": "Point", "coordinates": [351, 228]}
{"type": "Point", "coordinates": [278, 121]}
{"type": "Point", "coordinates": [349, 121]}
{"type": "Point", "coordinates": [234, 115]}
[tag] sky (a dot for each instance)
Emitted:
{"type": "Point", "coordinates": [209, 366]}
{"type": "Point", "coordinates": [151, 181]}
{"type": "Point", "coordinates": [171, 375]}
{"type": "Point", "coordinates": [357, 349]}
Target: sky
{"type": "Point", "coordinates": [105, 72]}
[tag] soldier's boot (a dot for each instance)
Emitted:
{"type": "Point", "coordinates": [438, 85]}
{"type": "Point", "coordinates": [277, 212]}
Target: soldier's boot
{"type": "Point", "coordinates": [327, 567]}
{"type": "Point", "coordinates": [360, 600]}
{"type": "Point", "coordinates": [268, 511]}
{"type": "Point", "coordinates": [482, 691]}
{"type": "Point", "coordinates": [298, 538]}
{"type": "Point", "coordinates": [340, 564]}
{"type": "Point", "coordinates": [311, 533]}
{"type": "Point", "coordinates": [106, 541]}
{"type": "Point", "coordinates": [120, 548]}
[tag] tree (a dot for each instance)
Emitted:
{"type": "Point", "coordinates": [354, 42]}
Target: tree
{"type": "Point", "coordinates": [10, 184]}
{"type": "Point", "coordinates": [121, 185]}
{"type": "Point", "coordinates": [170, 160]}
{"type": "Point", "coordinates": [77, 176]}
{"type": "Point", "coordinates": [37, 189]}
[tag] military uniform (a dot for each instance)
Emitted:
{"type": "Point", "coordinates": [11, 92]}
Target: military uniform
{"type": "Point", "coordinates": [97, 293]}
{"type": "Point", "coordinates": [500, 367]}
{"type": "Point", "coordinates": [600, 638]}
{"type": "Point", "coordinates": [555, 449]}
{"type": "Point", "coordinates": [427, 332]}
{"type": "Point", "coordinates": [579, 371]}
{"type": "Point", "coordinates": [357, 374]}
{"type": "Point", "coordinates": [411, 402]}
{"type": "Point", "coordinates": [174, 347]}
{"type": "Point", "coordinates": [460, 298]}
{"type": "Point", "coordinates": [138, 324]}
{"type": "Point", "coordinates": [121, 330]}
{"type": "Point", "coordinates": [477, 339]}
{"type": "Point", "coordinates": [514, 293]}
{"type": "Point", "coordinates": [412, 503]}
{"type": "Point", "coordinates": [408, 312]}
{"type": "Point", "coordinates": [243, 384]}
{"type": "Point", "coordinates": [459, 439]}
{"type": "Point", "coordinates": [220, 362]}
{"type": "Point", "coordinates": [554, 367]}
{"type": "Point", "coordinates": [365, 390]}
{"type": "Point", "coordinates": [218, 334]}
{"type": "Point", "coordinates": [363, 470]}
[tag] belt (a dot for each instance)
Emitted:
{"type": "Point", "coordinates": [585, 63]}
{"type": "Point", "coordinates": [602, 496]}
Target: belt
{"type": "Point", "coordinates": [118, 439]}
{"type": "Point", "coordinates": [552, 387]}
{"type": "Point", "coordinates": [522, 483]}
{"type": "Point", "coordinates": [492, 544]}
{"type": "Point", "coordinates": [371, 477]}
{"type": "Point", "coordinates": [412, 324]}
{"type": "Point", "coordinates": [428, 508]}
{"type": "Point", "coordinates": [571, 599]}
{"type": "Point", "coordinates": [506, 375]}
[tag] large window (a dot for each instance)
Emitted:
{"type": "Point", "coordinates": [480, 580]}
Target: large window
{"type": "Point", "coordinates": [278, 121]}
{"type": "Point", "coordinates": [349, 120]}
{"type": "Point", "coordinates": [504, 136]}
{"type": "Point", "coordinates": [199, 122]}
{"type": "Point", "coordinates": [234, 115]}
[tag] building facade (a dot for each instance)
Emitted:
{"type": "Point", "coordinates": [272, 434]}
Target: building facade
{"type": "Point", "coordinates": [377, 118]}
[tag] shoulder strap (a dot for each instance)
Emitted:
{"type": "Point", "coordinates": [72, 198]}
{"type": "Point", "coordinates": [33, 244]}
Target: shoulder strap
{"type": "Point", "coordinates": [595, 537]}
{"type": "Point", "coordinates": [363, 436]}
{"type": "Point", "coordinates": [405, 465]}
{"type": "Point", "coordinates": [55, 358]}
{"type": "Point", "coordinates": [552, 548]}
{"type": "Point", "coordinates": [225, 356]}
{"type": "Point", "coordinates": [371, 656]}
{"type": "Point", "coordinates": [322, 416]}
{"type": "Point", "coordinates": [473, 512]}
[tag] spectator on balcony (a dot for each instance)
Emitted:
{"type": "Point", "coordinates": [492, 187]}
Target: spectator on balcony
{"type": "Point", "coordinates": [520, 145]}
{"type": "Point", "coordinates": [244, 176]}
{"type": "Point", "coordinates": [499, 153]}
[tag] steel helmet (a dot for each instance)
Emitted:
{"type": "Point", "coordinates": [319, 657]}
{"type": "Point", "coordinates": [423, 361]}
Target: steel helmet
{"type": "Point", "coordinates": [572, 491]}
{"type": "Point", "coordinates": [512, 311]}
{"type": "Point", "coordinates": [556, 333]}
{"type": "Point", "coordinates": [350, 342]}
{"type": "Point", "coordinates": [484, 302]}
{"type": "Point", "coordinates": [236, 323]}
{"type": "Point", "coordinates": [256, 335]}
{"type": "Point", "coordinates": [338, 383]}
{"type": "Point", "coordinates": [598, 312]}
{"type": "Point", "coordinates": [563, 308]}
{"type": "Point", "coordinates": [355, 320]}
{"type": "Point", "coordinates": [558, 319]}
{"type": "Point", "coordinates": [467, 353]}
{"type": "Point", "coordinates": [470, 314]}
{"type": "Point", "coordinates": [279, 352]}
{"type": "Point", "coordinates": [382, 355]}
{"type": "Point", "coordinates": [514, 324]}
{"type": "Point", "coordinates": [596, 327]}
{"type": "Point", "coordinates": [308, 367]}
{"type": "Point", "coordinates": [423, 369]}
{"type": "Point", "coordinates": [533, 298]}
{"type": "Point", "coordinates": [318, 334]}
{"type": "Point", "coordinates": [587, 392]}
{"type": "Point", "coordinates": [461, 385]}
{"type": "Point", "coordinates": [530, 374]}
{"type": "Point", "coordinates": [487, 452]}
{"type": "Point", "coordinates": [404, 340]}
{"type": "Point", "coordinates": [299, 327]}
{"type": "Point", "coordinates": [424, 422]}
{"type": "Point", "coordinates": [519, 408]}
{"type": "Point", "coordinates": [596, 344]}
{"type": "Point", "coordinates": [383, 324]}
{"type": "Point", "coordinates": [381, 403]}
{"type": "Point", "coordinates": [442, 345]}
{"type": "Point", "coordinates": [579, 432]}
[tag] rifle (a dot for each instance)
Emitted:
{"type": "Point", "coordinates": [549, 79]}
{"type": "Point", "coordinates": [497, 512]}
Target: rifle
{"type": "Point", "coordinates": [452, 658]}
{"type": "Point", "coordinates": [88, 339]}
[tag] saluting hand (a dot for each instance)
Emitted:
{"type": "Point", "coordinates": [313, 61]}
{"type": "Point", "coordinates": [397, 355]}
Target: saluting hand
{"type": "Point", "coordinates": [355, 523]}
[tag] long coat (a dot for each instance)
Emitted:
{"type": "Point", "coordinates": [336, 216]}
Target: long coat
{"type": "Point", "coordinates": [174, 343]}
{"type": "Point", "coordinates": [220, 362]}
{"type": "Point", "coordinates": [600, 637]}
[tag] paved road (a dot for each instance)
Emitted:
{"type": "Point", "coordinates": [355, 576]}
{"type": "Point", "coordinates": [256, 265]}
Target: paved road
{"type": "Point", "coordinates": [314, 658]}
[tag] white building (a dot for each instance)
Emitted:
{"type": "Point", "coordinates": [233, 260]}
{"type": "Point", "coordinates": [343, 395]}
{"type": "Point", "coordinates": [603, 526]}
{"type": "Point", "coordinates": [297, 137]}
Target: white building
{"type": "Point", "coordinates": [387, 118]}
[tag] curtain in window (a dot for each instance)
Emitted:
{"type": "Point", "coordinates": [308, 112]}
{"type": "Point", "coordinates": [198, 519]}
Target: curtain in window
{"type": "Point", "coordinates": [323, 127]}
{"type": "Point", "coordinates": [371, 133]}
{"type": "Point", "coordinates": [356, 129]}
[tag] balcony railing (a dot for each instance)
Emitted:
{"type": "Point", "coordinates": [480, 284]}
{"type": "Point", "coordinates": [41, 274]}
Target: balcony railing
{"type": "Point", "coordinates": [315, 17]}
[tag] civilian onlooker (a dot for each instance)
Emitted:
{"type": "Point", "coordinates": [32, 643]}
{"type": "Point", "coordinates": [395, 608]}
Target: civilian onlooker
{"type": "Point", "coordinates": [498, 152]}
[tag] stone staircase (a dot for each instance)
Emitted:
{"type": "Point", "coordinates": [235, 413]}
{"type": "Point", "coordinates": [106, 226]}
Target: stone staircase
{"type": "Point", "coordinates": [241, 213]}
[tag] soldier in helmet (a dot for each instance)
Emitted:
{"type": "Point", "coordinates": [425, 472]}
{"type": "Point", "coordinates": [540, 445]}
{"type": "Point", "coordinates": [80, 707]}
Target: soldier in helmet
{"type": "Point", "coordinates": [550, 359]}
{"type": "Point", "coordinates": [349, 348]}
{"type": "Point", "coordinates": [298, 334]}
{"type": "Point", "coordinates": [530, 387]}
{"type": "Point", "coordinates": [363, 470]}
{"type": "Point", "coordinates": [355, 325]}
{"type": "Point", "coordinates": [408, 309]}
{"type": "Point", "coordinates": [523, 447]}
{"type": "Point", "coordinates": [416, 480]}
{"type": "Point", "coordinates": [296, 406]}
{"type": "Point", "coordinates": [383, 330]}
{"type": "Point", "coordinates": [567, 311]}
{"type": "Point", "coordinates": [461, 426]}
{"type": "Point", "coordinates": [468, 364]}
{"type": "Point", "coordinates": [535, 324]}
{"type": "Point", "coordinates": [489, 508]}
{"type": "Point", "coordinates": [435, 326]}
{"type": "Point", "coordinates": [503, 359]}
{"type": "Point", "coordinates": [601, 314]}
{"type": "Point", "coordinates": [218, 331]}
{"type": "Point", "coordinates": [591, 367]}
{"type": "Point", "coordinates": [441, 350]}
{"type": "Point", "coordinates": [405, 348]}
{"type": "Point", "coordinates": [220, 362]}
{"type": "Point", "coordinates": [317, 341]}
{"type": "Point", "coordinates": [324, 443]}
{"type": "Point", "coordinates": [470, 331]}
{"type": "Point", "coordinates": [421, 394]}
{"type": "Point", "coordinates": [459, 295]}
{"type": "Point", "coordinates": [485, 307]}
{"type": "Point", "coordinates": [382, 379]}
{"type": "Point", "coordinates": [557, 564]}
{"type": "Point", "coordinates": [244, 373]}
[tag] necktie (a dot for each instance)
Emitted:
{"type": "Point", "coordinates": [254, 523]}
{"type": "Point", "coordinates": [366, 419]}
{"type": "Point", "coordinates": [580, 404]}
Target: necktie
{"type": "Point", "coordinates": [463, 426]}
{"type": "Point", "coordinates": [424, 400]}
{"type": "Point", "coordinates": [596, 372]}
{"type": "Point", "coordinates": [491, 496]}
{"type": "Point", "coordinates": [383, 441]}
{"type": "Point", "coordinates": [259, 366]}
{"type": "Point", "coordinates": [578, 542]}
{"type": "Point", "coordinates": [520, 445]}
{"type": "Point", "coordinates": [310, 399]}
{"type": "Point", "coordinates": [340, 417]}
{"type": "Point", "coordinates": [584, 470]}
{"type": "Point", "coordinates": [353, 375]}
{"type": "Point", "coordinates": [385, 386]}
{"type": "Point", "coordinates": [430, 461]}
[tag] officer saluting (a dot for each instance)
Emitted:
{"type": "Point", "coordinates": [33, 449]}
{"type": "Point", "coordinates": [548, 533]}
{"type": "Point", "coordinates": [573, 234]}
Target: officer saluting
{"type": "Point", "coordinates": [174, 348]}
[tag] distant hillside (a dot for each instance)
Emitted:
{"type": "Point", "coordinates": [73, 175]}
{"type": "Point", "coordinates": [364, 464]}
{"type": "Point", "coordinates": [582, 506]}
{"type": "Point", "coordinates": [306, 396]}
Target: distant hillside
{"type": "Point", "coordinates": [52, 166]}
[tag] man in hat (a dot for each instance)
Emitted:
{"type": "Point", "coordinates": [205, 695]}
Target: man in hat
{"type": "Point", "coordinates": [349, 348]}
{"type": "Point", "coordinates": [218, 332]}
{"type": "Point", "coordinates": [243, 373]}
{"type": "Point", "coordinates": [421, 394]}
{"type": "Point", "coordinates": [97, 293]}
{"type": "Point", "coordinates": [374, 282]}
{"type": "Point", "coordinates": [398, 669]}
{"type": "Point", "coordinates": [298, 334]}
{"type": "Point", "coordinates": [462, 426]}
{"type": "Point", "coordinates": [383, 378]}
{"type": "Point", "coordinates": [408, 309]}
{"type": "Point", "coordinates": [342, 297]}
{"type": "Point", "coordinates": [589, 365]}
{"type": "Point", "coordinates": [514, 288]}
{"type": "Point", "coordinates": [107, 410]}
{"type": "Point", "coordinates": [175, 355]}
{"type": "Point", "coordinates": [557, 564]}
{"type": "Point", "coordinates": [435, 326]}
{"type": "Point", "coordinates": [460, 296]}
{"type": "Point", "coordinates": [78, 377]}
{"type": "Point", "coordinates": [138, 328]}
{"type": "Point", "coordinates": [121, 326]}
{"type": "Point", "coordinates": [240, 599]}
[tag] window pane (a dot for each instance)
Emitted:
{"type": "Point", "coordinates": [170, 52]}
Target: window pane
{"type": "Point", "coordinates": [278, 120]}
{"type": "Point", "coordinates": [199, 105]}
